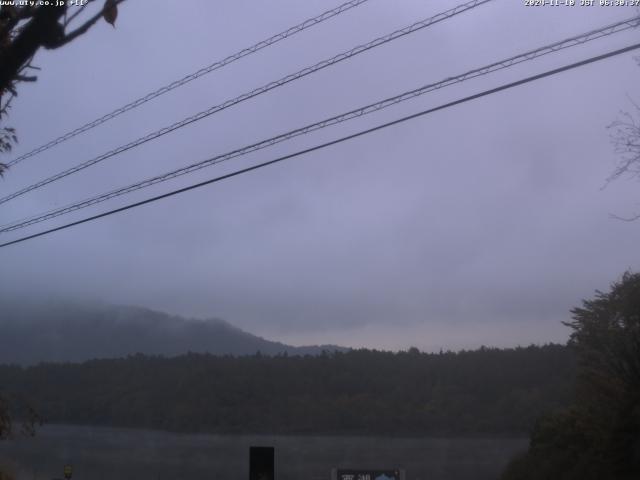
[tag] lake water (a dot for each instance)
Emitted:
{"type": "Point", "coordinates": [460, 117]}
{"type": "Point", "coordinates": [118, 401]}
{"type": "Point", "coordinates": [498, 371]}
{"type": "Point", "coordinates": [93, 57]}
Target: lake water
{"type": "Point", "coordinates": [98, 453]}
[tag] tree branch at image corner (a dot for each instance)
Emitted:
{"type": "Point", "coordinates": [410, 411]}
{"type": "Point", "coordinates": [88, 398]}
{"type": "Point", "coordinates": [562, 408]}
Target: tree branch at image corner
{"type": "Point", "coordinates": [625, 138]}
{"type": "Point", "coordinates": [23, 31]}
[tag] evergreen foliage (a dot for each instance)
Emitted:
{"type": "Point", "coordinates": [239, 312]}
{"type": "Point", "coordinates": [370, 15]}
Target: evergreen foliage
{"type": "Point", "coordinates": [356, 392]}
{"type": "Point", "coordinates": [598, 436]}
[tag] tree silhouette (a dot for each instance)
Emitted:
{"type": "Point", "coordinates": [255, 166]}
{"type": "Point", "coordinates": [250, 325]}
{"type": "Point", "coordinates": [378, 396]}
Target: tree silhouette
{"type": "Point", "coordinates": [598, 436]}
{"type": "Point", "coordinates": [23, 31]}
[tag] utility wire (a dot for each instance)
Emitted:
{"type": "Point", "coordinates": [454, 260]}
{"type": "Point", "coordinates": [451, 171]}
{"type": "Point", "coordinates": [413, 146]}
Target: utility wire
{"type": "Point", "coordinates": [333, 142]}
{"type": "Point", "coordinates": [523, 57]}
{"type": "Point", "coordinates": [203, 71]}
{"type": "Point", "coordinates": [258, 91]}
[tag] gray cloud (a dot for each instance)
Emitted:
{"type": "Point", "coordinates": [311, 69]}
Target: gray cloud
{"type": "Point", "coordinates": [483, 223]}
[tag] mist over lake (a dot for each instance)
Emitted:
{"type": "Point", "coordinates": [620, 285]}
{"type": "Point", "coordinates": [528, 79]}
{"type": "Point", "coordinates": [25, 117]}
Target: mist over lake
{"type": "Point", "coordinates": [355, 237]}
{"type": "Point", "coordinates": [127, 454]}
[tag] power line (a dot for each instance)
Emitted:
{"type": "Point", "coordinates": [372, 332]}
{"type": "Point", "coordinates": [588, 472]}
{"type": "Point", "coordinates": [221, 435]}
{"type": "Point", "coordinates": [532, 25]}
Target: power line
{"type": "Point", "coordinates": [258, 91]}
{"type": "Point", "coordinates": [203, 71]}
{"type": "Point", "coordinates": [333, 142]}
{"type": "Point", "coordinates": [506, 63]}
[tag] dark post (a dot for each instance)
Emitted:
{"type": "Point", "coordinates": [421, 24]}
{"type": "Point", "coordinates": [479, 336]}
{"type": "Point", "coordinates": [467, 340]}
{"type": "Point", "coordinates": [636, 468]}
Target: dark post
{"type": "Point", "coordinates": [261, 463]}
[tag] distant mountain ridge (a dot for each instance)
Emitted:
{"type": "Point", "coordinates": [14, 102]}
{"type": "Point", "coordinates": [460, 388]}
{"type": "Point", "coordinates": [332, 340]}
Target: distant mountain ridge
{"type": "Point", "coordinates": [75, 332]}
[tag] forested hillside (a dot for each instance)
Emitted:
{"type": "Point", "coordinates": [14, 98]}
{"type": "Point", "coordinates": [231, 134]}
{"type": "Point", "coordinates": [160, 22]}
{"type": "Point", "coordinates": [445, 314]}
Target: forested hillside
{"type": "Point", "coordinates": [356, 392]}
{"type": "Point", "coordinates": [74, 332]}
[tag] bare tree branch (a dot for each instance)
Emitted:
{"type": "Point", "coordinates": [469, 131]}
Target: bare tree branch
{"type": "Point", "coordinates": [26, 78]}
{"type": "Point", "coordinates": [78, 12]}
{"type": "Point", "coordinates": [85, 26]}
{"type": "Point", "coordinates": [23, 31]}
{"type": "Point", "coordinates": [632, 218]}
{"type": "Point", "coordinates": [625, 137]}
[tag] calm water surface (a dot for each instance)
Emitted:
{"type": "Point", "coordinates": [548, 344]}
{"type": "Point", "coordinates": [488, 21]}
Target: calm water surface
{"type": "Point", "coordinates": [123, 454]}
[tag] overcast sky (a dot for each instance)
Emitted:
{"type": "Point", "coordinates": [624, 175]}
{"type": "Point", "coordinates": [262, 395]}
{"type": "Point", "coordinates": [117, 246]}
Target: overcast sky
{"type": "Point", "coordinates": [481, 224]}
